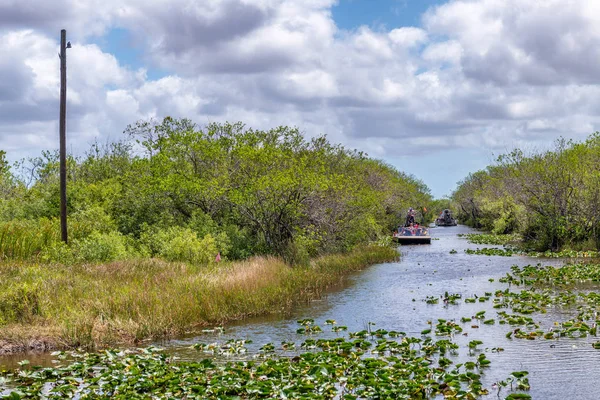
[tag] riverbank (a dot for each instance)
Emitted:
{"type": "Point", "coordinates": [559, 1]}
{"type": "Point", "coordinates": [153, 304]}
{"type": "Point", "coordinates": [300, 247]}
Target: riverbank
{"type": "Point", "coordinates": [46, 307]}
{"type": "Point", "coordinates": [514, 245]}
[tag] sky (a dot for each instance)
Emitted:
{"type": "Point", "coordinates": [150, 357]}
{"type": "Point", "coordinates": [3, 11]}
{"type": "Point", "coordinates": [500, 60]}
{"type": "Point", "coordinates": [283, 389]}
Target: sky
{"type": "Point", "coordinates": [436, 88]}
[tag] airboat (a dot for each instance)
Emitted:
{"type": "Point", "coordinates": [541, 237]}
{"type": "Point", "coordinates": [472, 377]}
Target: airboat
{"type": "Point", "coordinates": [445, 219]}
{"type": "Point", "coordinates": [408, 235]}
{"type": "Point", "coordinates": [411, 232]}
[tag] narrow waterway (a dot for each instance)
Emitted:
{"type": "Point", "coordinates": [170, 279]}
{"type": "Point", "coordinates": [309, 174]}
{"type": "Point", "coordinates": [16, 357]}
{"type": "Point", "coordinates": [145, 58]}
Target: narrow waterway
{"type": "Point", "coordinates": [392, 296]}
{"type": "Point", "coordinates": [383, 294]}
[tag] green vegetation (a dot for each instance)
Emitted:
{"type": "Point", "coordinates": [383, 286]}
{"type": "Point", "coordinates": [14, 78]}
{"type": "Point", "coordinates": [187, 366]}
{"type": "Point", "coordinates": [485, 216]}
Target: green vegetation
{"type": "Point", "coordinates": [436, 207]}
{"type": "Point", "coordinates": [550, 199]}
{"type": "Point", "coordinates": [490, 252]}
{"type": "Point", "coordinates": [366, 364]}
{"type": "Point", "coordinates": [513, 245]}
{"type": "Point", "coordinates": [494, 239]}
{"type": "Point", "coordinates": [150, 216]}
{"type": "Point", "coordinates": [174, 191]}
{"type": "Point", "coordinates": [565, 254]}
{"type": "Point", "coordinates": [125, 302]}
{"type": "Point", "coordinates": [539, 289]}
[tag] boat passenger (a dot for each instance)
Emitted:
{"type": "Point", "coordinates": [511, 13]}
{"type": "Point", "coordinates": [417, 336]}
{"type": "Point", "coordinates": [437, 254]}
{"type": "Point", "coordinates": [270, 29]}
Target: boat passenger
{"type": "Point", "coordinates": [410, 217]}
{"type": "Point", "coordinates": [418, 230]}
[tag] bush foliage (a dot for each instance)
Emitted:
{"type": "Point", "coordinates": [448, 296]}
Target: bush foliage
{"type": "Point", "coordinates": [551, 198]}
{"type": "Point", "coordinates": [172, 190]}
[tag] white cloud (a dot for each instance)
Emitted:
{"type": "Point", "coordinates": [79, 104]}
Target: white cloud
{"type": "Point", "coordinates": [449, 51]}
{"type": "Point", "coordinates": [408, 36]}
{"type": "Point", "coordinates": [539, 42]}
{"type": "Point", "coordinates": [478, 73]}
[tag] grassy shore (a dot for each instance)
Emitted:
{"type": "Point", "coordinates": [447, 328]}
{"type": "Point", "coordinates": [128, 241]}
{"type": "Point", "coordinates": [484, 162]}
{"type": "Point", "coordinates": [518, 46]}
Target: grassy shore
{"type": "Point", "coordinates": [46, 307]}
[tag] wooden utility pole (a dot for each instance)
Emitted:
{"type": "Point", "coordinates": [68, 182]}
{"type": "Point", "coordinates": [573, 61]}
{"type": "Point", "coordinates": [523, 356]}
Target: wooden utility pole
{"type": "Point", "coordinates": [63, 139]}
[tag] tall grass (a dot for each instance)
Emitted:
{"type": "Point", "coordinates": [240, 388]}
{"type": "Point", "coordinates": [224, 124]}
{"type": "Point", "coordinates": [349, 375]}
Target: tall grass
{"type": "Point", "coordinates": [25, 239]}
{"type": "Point", "coordinates": [127, 302]}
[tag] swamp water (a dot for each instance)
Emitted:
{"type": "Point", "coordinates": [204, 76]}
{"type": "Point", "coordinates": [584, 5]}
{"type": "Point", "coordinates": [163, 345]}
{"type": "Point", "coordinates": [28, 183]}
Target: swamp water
{"type": "Point", "coordinates": [393, 296]}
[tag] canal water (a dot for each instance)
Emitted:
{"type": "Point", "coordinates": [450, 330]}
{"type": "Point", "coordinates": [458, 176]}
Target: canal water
{"type": "Point", "coordinates": [392, 296]}
{"type": "Point", "coordinates": [383, 295]}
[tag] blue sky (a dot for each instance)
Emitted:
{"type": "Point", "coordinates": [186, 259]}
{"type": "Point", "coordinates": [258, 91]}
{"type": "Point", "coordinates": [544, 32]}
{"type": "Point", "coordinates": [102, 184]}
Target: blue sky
{"type": "Point", "coordinates": [127, 49]}
{"type": "Point", "coordinates": [436, 88]}
{"type": "Point", "coordinates": [379, 15]}
{"type": "Point", "coordinates": [390, 14]}
{"type": "Point", "coordinates": [349, 14]}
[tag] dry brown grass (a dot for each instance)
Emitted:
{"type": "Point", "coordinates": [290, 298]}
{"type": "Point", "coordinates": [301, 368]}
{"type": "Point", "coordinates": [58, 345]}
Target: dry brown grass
{"type": "Point", "coordinates": [252, 274]}
{"type": "Point", "coordinates": [126, 302]}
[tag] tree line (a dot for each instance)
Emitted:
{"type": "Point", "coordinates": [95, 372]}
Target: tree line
{"type": "Point", "coordinates": [184, 193]}
{"type": "Point", "coordinates": [551, 198]}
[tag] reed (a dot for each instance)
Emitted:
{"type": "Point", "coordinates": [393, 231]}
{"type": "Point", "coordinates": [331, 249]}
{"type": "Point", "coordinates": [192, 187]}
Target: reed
{"type": "Point", "coordinates": [128, 302]}
{"type": "Point", "coordinates": [24, 239]}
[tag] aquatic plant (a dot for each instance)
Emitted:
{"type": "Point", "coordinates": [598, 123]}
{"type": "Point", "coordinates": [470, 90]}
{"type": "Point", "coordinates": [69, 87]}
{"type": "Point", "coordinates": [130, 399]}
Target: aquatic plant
{"type": "Point", "coordinates": [569, 274]}
{"type": "Point", "coordinates": [542, 288]}
{"type": "Point", "coordinates": [508, 251]}
{"type": "Point", "coordinates": [491, 252]}
{"type": "Point", "coordinates": [564, 254]}
{"type": "Point", "coordinates": [494, 239]}
{"type": "Point", "coordinates": [451, 298]}
{"type": "Point", "coordinates": [344, 368]}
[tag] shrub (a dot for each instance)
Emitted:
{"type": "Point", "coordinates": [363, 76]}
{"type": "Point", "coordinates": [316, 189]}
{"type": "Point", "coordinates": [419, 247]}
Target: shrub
{"type": "Point", "coordinates": [58, 252]}
{"type": "Point", "coordinates": [295, 253]}
{"type": "Point", "coordinates": [181, 244]}
{"type": "Point", "coordinates": [84, 222]}
{"type": "Point", "coordinates": [383, 241]}
{"type": "Point", "coordinates": [202, 224]}
{"type": "Point", "coordinates": [185, 246]}
{"type": "Point", "coordinates": [241, 244]}
{"type": "Point", "coordinates": [101, 247]}
{"type": "Point", "coordinates": [362, 229]}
